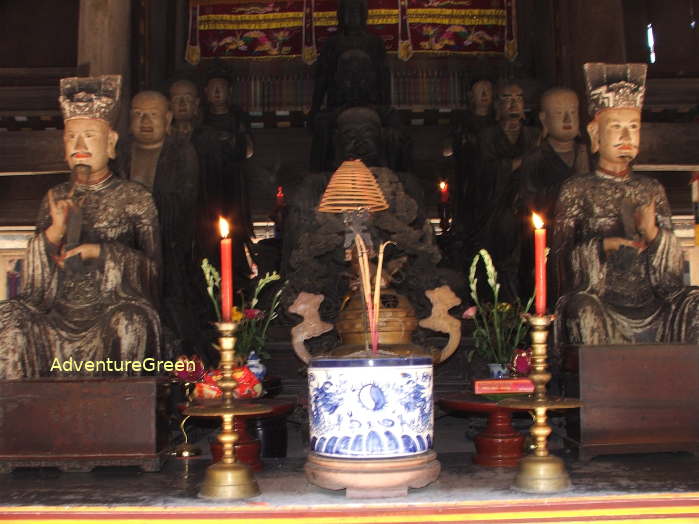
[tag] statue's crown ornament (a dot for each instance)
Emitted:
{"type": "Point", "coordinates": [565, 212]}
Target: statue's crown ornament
{"type": "Point", "coordinates": [614, 85]}
{"type": "Point", "coordinates": [90, 97]}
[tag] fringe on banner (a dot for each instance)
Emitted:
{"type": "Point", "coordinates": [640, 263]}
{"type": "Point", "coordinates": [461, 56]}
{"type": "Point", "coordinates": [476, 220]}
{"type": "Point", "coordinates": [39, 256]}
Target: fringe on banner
{"type": "Point", "coordinates": [511, 30]}
{"type": "Point", "coordinates": [193, 52]}
{"type": "Point", "coordinates": [309, 53]}
{"type": "Point", "coordinates": [694, 182]}
{"type": "Point", "coordinates": [405, 45]}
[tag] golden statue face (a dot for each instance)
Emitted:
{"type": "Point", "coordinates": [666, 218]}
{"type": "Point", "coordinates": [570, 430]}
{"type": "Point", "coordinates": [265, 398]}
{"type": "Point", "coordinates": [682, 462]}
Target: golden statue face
{"type": "Point", "coordinates": [184, 100]}
{"type": "Point", "coordinates": [559, 115]}
{"type": "Point", "coordinates": [150, 118]}
{"type": "Point", "coordinates": [90, 142]}
{"type": "Point", "coordinates": [616, 134]}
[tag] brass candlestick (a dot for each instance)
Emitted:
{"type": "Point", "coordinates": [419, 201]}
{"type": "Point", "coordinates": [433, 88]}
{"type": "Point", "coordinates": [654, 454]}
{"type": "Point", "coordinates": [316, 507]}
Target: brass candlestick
{"type": "Point", "coordinates": [540, 472]}
{"type": "Point", "coordinates": [227, 479]}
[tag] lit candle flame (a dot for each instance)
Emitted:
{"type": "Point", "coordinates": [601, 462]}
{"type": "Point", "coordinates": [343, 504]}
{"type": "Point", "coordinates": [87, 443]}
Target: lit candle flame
{"type": "Point", "coordinates": [223, 227]}
{"type": "Point", "coordinates": [442, 186]}
{"type": "Point", "coordinates": [537, 221]}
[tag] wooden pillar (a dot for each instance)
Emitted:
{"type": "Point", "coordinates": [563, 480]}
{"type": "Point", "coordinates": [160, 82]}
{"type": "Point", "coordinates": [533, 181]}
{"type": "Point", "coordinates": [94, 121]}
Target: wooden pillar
{"type": "Point", "coordinates": [104, 42]}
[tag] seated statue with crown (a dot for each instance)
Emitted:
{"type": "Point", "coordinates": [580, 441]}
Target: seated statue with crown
{"type": "Point", "coordinates": [93, 264]}
{"type": "Point", "coordinates": [613, 240]}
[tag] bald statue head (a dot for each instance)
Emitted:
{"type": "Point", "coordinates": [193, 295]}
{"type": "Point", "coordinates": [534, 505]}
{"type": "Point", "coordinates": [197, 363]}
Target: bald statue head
{"type": "Point", "coordinates": [481, 97]}
{"type": "Point", "coordinates": [150, 118]}
{"type": "Point", "coordinates": [184, 100]}
{"type": "Point", "coordinates": [559, 114]}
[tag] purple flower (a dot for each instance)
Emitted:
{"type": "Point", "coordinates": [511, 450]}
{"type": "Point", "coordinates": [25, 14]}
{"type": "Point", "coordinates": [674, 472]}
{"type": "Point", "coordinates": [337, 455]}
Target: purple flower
{"type": "Point", "coordinates": [253, 314]}
{"type": "Point", "coordinates": [470, 313]}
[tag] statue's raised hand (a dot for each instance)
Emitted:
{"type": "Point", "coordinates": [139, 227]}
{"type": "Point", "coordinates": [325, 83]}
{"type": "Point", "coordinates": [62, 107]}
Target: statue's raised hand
{"type": "Point", "coordinates": [59, 210]}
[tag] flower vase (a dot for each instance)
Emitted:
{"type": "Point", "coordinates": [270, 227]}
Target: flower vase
{"type": "Point", "coordinates": [498, 370]}
{"type": "Point", "coordinates": [256, 366]}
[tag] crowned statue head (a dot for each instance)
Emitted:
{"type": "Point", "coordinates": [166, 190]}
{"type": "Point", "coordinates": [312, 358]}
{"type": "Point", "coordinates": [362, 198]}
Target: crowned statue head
{"type": "Point", "coordinates": [150, 118]}
{"type": "Point", "coordinates": [89, 106]}
{"type": "Point", "coordinates": [559, 115]}
{"type": "Point", "coordinates": [615, 93]}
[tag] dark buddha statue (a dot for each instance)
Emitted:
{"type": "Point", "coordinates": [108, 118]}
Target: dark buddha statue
{"type": "Point", "coordinates": [356, 87]}
{"type": "Point", "coordinates": [496, 221]}
{"type": "Point", "coordinates": [352, 72]}
{"type": "Point", "coordinates": [352, 33]}
{"type": "Point", "coordinates": [223, 142]}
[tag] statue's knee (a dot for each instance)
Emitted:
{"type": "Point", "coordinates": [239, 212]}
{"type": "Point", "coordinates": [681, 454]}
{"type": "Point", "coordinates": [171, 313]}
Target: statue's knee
{"type": "Point", "coordinates": [128, 318]}
{"type": "Point", "coordinates": [583, 305]}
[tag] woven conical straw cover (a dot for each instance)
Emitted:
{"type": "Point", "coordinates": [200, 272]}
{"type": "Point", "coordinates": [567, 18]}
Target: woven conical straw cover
{"type": "Point", "coordinates": [351, 188]}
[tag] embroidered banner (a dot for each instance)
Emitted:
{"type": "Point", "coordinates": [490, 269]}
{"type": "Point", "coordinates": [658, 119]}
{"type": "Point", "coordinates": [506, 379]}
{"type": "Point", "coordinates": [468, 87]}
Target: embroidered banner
{"type": "Point", "coordinates": [251, 29]}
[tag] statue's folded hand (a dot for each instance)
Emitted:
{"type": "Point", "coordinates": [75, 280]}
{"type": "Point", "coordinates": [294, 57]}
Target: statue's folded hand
{"type": "Point", "coordinates": [614, 243]}
{"type": "Point", "coordinates": [86, 252]}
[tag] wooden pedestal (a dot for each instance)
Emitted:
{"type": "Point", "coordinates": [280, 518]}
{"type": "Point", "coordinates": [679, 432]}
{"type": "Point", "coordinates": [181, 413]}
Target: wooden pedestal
{"type": "Point", "coordinates": [77, 424]}
{"type": "Point", "coordinates": [636, 398]}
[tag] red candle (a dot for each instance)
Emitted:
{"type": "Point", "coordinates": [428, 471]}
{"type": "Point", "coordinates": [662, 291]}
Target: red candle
{"type": "Point", "coordinates": [226, 270]}
{"type": "Point", "coordinates": [539, 264]}
{"type": "Point", "coordinates": [280, 197]}
{"type": "Point", "coordinates": [443, 192]}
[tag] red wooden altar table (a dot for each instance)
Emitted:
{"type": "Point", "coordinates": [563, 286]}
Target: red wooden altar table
{"type": "Point", "coordinates": [499, 444]}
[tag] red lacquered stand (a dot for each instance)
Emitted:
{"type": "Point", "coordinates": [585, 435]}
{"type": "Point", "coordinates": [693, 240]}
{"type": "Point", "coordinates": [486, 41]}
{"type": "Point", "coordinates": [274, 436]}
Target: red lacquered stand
{"type": "Point", "coordinates": [247, 448]}
{"type": "Point", "coordinates": [499, 444]}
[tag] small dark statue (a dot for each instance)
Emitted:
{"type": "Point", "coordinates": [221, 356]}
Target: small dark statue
{"type": "Point", "coordinates": [496, 220]}
{"type": "Point", "coordinates": [352, 33]}
{"type": "Point", "coordinates": [352, 72]}
{"type": "Point", "coordinates": [613, 238]}
{"type": "Point", "coordinates": [223, 142]}
{"type": "Point", "coordinates": [463, 145]}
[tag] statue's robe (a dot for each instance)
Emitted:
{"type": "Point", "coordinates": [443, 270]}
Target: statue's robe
{"type": "Point", "coordinates": [175, 192]}
{"type": "Point", "coordinates": [497, 223]}
{"type": "Point", "coordinates": [325, 86]}
{"type": "Point", "coordinates": [107, 312]}
{"type": "Point", "coordinates": [221, 144]}
{"type": "Point", "coordinates": [542, 173]}
{"type": "Point", "coordinates": [466, 126]}
{"type": "Point", "coordinates": [624, 296]}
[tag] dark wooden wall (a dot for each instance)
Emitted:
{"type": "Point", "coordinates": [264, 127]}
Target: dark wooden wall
{"type": "Point", "coordinates": [39, 33]}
